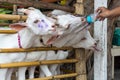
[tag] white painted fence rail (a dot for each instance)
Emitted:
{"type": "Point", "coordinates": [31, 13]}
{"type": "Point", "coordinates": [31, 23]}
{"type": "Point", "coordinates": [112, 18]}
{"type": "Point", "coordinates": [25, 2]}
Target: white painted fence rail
{"type": "Point", "coordinates": [100, 33]}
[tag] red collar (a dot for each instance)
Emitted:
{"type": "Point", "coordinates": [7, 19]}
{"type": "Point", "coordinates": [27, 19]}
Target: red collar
{"type": "Point", "coordinates": [19, 41]}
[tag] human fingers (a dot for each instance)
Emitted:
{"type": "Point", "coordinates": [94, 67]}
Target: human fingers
{"type": "Point", "coordinates": [101, 19]}
{"type": "Point", "coordinates": [98, 9]}
{"type": "Point", "coordinates": [101, 9]}
{"type": "Point", "coordinates": [98, 17]}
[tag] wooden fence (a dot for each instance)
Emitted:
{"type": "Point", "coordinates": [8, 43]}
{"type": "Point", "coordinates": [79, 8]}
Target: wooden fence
{"type": "Point", "coordinates": [79, 61]}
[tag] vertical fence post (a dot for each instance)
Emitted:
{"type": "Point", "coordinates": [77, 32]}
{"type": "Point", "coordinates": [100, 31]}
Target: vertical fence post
{"type": "Point", "coordinates": [100, 33]}
{"type": "Point", "coordinates": [14, 11]}
{"type": "Point", "coordinates": [80, 53]}
{"type": "Point", "coordinates": [79, 7]}
{"type": "Point", "coordinates": [81, 64]}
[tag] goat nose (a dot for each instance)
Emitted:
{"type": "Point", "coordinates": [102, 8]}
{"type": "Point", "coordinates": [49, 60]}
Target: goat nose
{"type": "Point", "coordinates": [95, 43]}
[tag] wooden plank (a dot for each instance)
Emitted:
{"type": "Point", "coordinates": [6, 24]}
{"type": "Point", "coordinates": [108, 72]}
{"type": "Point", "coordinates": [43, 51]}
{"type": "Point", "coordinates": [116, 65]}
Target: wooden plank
{"type": "Point", "coordinates": [36, 63]}
{"type": "Point", "coordinates": [12, 17]}
{"type": "Point", "coordinates": [56, 77]}
{"type": "Point", "coordinates": [50, 0]}
{"type": "Point", "coordinates": [11, 50]}
{"type": "Point", "coordinates": [39, 4]}
{"type": "Point", "coordinates": [81, 64]}
{"type": "Point", "coordinates": [100, 33]}
{"type": "Point", "coordinates": [8, 31]}
{"type": "Point", "coordinates": [79, 1]}
{"type": "Point", "coordinates": [79, 7]}
{"type": "Point", "coordinates": [4, 24]}
{"type": "Point", "coordinates": [14, 12]}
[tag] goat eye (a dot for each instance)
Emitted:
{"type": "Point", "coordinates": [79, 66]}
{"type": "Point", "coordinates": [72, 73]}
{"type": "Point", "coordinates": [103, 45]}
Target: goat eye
{"type": "Point", "coordinates": [53, 26]}
{"type": "Point", "coordinates": [83, 38]}
{"type": "Point", "coordinates": [36, 21]}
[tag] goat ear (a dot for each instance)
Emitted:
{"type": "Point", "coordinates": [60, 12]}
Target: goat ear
{"type": "Point", "coordinates": [52, 39]}
{"type": "Point", "coordinates": [26, 11]}
{"type": "Point", "coordinates": [18, 26]}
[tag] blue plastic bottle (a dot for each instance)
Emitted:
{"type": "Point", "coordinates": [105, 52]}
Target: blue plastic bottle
{"type": "Point", "coordinates": [92, 17]}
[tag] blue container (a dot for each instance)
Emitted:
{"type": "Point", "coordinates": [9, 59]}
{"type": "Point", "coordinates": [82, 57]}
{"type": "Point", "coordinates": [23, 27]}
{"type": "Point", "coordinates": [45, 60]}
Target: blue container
{"type": "Point", "coordinates": [89, 19]}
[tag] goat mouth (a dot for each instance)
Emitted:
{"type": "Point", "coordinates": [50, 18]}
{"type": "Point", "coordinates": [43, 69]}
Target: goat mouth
{"type": "Point", "coordinates": [52, 39]}
{"type": "Point", "coordinates": [95, 48]}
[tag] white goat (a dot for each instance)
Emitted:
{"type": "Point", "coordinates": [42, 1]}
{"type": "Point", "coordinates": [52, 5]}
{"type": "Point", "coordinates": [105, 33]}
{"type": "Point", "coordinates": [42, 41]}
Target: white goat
{"type": "Point", "coordinates": [60, 55]}
{"type": "Point", "coordinates": [69, 37]}
{"type": "Point", "coordinates": [27, 33]}
{"type": "Point", "coordinates": [50, 56]}
{"type": "Point", "coordinates": [65, 35]}
{"type": "Point", "coordinates": [53, 55]}
{"type": "Point", "coordinates": [46, 28]}
{"type": "Point", "coordinates": [34, 56]}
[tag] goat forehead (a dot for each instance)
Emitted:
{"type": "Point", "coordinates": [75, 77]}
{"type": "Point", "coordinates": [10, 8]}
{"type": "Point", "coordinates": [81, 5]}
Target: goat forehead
{"type": "Point", "coordinates": [34, 15]}
{"type": "Point", "coordinates": [71, 19]}
{"type": "Point", "coordinates": [66, 17]}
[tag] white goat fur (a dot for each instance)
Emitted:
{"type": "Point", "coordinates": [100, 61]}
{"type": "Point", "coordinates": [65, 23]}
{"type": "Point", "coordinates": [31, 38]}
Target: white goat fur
{"type": "Point", "coordinates": [68, 24]}
{"type": "Point", "coordinates": [69, 37]}
{"type": "Point", "coordinates": [27, 36]}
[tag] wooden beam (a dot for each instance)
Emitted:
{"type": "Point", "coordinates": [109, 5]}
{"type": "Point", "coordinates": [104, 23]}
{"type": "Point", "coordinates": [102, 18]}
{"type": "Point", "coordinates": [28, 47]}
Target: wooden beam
{"type": "Point", "coordinates": [50, 0]}
{"type": "Point", "coordinates": [7, 31]}
{"type": "Point", "coordinates": [79, 6]}
{"type": "Point", "coordinates": [39, 4]}
{"type": "Point", "coordinates": [12, 17]}
{"type": "Point", "coordinates": [33, 49]}
{"type": "Point", "coordinates": [80, 66]}
{"type": "Point", "coordinates": [100, 57]}
{"type": "Point", "coordinates": [14, 12]}
{"type": "Point", "coordinates": [6, 7]}
{"type": "Point", "coordinates": [56, 77]}
{"type": "Point", "coordinates": [36, 63]}
{"type": "Point", "coordinates": [4, 24]}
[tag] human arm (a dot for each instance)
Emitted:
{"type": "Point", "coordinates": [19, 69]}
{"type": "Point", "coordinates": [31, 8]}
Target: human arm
{"type": "Point", "coordinates": [106, 13]}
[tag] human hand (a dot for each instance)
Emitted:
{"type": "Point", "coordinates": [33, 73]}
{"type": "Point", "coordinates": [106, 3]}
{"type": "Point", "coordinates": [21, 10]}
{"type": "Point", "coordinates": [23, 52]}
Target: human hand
{"type": "Point", "coordinates": [104, 13]}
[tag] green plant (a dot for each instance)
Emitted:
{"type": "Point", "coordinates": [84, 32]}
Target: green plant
{"type": "Point", "coordinates": [4, 11]}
